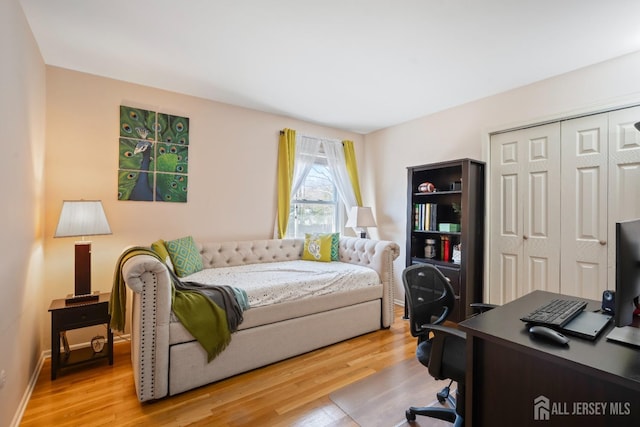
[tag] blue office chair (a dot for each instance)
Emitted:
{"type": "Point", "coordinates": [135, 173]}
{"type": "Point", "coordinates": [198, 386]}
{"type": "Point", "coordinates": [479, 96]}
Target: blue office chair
{"type": "Point", "coordinates": [430, 299]}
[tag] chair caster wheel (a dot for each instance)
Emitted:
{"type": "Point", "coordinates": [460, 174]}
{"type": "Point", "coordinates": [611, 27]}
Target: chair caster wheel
{"type": "Point", "coordinates": [410, 415]}
{"type": "Point", "coordinates": [443, 395]}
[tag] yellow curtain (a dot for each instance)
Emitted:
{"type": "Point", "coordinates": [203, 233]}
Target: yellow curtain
{"type": "Point", "coordinates": [352, 169]}
{"type": "Point", "coordinates": [286, 157]}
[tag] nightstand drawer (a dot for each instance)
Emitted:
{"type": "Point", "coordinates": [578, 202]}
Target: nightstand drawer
{"type": "Point", "coordinates": [83, 315]}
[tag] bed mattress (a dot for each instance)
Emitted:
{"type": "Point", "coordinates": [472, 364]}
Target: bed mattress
{"type": "Point", "coordinates": [278, 282]}
{"type": "Point", "coordinates": [285, 290]}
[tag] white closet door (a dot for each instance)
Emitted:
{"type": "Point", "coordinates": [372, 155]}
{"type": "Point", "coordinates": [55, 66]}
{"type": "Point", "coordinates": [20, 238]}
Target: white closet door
{"type": "Point", "coordinates": [524, 252]}
{"type": "Point", "coordinates": [506, 207]}
{"type": "Point", "coordinates": [584, 206]}
{"type": "Point", "coordinates": [624, 175]}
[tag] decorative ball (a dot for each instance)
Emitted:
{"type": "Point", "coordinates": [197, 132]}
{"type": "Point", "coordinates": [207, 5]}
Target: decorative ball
{"type": "Point", "coordinates": [426, 187]}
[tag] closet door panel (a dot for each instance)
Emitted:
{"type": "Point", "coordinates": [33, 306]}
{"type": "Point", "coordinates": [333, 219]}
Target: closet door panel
{"type": "Point", "coordinates": [589, 276]}
{"type": "Point", "coordinates": [505, 260]}
{"type": "Point", "coordinates": [624, 175]}
{"type": "Point", "coordinates": [524, 244]}
{"type": "Point", "coordinates": [537, 255]}
{"type": "Point", "coordinates": [627, 181]}
{"type": "Point", "coordinates": [584, 206]}
{"type": "Point", "coordinates": [541, 250]}
{"type": "Point", "coordinates": [588, 204]}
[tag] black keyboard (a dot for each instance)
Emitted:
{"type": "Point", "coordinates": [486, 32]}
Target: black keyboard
{"type": "Point", "coordinates": [556, 313]}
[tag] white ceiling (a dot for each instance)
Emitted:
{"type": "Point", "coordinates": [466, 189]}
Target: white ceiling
{"type": "Point", "coordinates": [357, 65]}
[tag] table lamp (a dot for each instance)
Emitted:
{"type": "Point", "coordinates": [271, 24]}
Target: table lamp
{"type": "Point", "coordinates": [360, 218]}
{"type": "Point", "coordinates": [82, 218]}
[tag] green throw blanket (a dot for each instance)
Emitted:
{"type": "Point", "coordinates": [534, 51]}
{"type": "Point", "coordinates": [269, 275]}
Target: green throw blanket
{"type": "Point", "coordinates": [209, 312]}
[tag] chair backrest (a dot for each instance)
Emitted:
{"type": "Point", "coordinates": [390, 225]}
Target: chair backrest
{"type": "Point", "coordinates": [429, 296]}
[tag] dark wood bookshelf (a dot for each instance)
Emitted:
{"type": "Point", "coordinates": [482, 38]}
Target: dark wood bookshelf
{"type": "Point", "coordinates": [466, 276]}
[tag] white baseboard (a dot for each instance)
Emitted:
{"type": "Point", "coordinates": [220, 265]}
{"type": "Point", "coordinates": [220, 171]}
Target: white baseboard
{"type": "Point", "coordinates": [17, 418]}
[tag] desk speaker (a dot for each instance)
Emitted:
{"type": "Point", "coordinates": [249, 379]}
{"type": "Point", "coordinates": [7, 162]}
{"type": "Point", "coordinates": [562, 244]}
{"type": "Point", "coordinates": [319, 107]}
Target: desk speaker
{"type": "Point", "coordinates": [608, 301]}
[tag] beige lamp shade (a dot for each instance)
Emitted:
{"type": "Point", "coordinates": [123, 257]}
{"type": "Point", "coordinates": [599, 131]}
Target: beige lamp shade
{"type": "Point", "coordinates": [360, 217]}
{"type": "Point", "coordinates": [82, 218]}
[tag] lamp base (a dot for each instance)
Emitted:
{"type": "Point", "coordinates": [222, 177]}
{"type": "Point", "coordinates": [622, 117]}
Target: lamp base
{"type": "Point", "coordinates": [82, 268]}
{"type": "Point", "coordinates": [82, 299]}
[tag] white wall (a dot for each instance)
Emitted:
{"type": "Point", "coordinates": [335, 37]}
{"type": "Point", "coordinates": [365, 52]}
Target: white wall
{"type": "Point", "coordinates": [463, 132]}
{"type": "Point", "coordinates": [22, 123]}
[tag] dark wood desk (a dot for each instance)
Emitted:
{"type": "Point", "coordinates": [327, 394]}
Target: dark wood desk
{"type": "Point", "coordinates": [508, 369]}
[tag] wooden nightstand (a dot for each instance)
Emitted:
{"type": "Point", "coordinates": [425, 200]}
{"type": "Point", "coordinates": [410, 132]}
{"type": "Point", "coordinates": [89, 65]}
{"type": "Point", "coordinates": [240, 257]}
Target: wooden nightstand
{"type": "Point", "coordinates": [81, 315]}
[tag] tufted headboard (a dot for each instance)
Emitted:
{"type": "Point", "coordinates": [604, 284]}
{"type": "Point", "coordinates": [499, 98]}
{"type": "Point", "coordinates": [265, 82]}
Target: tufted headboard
{"type": "Point", "coordinates": [228, 254]}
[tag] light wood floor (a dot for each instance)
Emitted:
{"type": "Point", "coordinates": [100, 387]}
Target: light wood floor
{"type": "Point", "coordinates": [294, 392]}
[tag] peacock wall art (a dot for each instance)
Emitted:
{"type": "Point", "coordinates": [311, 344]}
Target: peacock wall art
{"type": "Point", "coordinates": [153, 156]}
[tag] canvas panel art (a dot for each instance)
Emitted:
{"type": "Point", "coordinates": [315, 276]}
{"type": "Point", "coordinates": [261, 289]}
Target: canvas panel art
{"type": "Point", "coordinates": [153, 156]}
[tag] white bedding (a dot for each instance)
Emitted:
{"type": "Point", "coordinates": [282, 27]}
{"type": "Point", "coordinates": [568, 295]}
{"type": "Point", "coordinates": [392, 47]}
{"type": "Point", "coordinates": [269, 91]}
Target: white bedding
{"type": "Point", "coordinates": [275, 282]}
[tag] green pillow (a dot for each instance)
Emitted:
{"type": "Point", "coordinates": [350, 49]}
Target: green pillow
{"type": "Point", "coordinates": [317, 247]}
{"type": "Point", "coordinates": [160, 248]}
{"type": "Point", "coordinates": [184, 255]}
{"type": "Point", "coordinates": [335, 246]}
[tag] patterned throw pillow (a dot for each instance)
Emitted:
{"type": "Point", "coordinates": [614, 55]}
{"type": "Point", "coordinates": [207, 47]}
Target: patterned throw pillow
{"type": "Point", "coordinates": [335, 246]}
{"type": "Point", "coordinates": [317, 247]}
{"type": "Point", "coordinates": [184, 256]}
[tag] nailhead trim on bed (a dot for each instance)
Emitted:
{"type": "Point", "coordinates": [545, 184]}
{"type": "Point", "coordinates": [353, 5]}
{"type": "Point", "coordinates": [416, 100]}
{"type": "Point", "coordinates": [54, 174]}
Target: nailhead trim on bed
{"type": "Point", "coordinates": [148, 337]}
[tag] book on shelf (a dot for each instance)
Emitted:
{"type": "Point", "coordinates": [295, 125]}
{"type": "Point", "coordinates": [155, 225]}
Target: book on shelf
{"type": "Point", "coordinates": [425, 217]}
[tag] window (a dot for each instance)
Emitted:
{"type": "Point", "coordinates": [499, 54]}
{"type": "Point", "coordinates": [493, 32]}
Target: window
{"type": "Point", "coordinates": [315, 208]}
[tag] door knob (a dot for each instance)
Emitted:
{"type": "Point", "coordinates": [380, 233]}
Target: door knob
{"type": "Point", "coordinates": [603, 242]}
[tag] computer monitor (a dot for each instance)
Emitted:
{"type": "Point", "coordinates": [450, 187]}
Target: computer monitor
{"type": "Point", "coordinates": [627, 271]}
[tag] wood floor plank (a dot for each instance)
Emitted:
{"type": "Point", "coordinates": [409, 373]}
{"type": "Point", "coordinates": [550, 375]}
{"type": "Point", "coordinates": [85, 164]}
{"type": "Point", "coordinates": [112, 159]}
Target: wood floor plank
{"type": "Point", "coordinates": [294, 392]}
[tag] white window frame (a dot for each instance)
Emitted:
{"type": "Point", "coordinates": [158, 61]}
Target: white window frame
{"type": "Point", "coordinates": [338, 219]}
